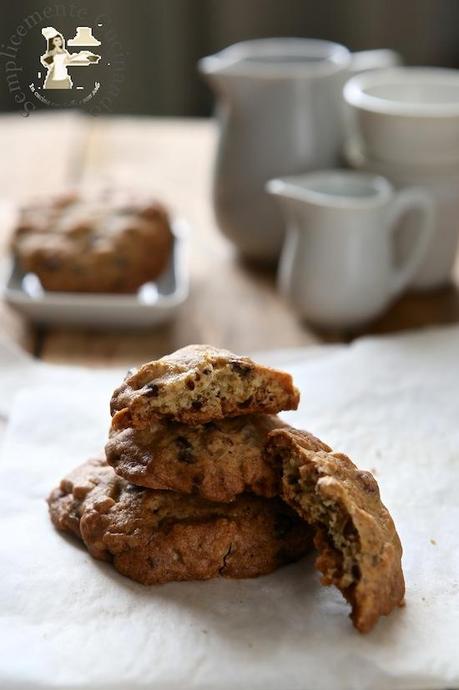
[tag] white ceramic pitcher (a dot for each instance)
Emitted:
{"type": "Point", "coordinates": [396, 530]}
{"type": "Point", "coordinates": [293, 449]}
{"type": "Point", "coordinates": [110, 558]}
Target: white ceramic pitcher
{"type": "Point", "coordinates": [280, 112]}
{"type": "Point", "coordinates": [339, 267]}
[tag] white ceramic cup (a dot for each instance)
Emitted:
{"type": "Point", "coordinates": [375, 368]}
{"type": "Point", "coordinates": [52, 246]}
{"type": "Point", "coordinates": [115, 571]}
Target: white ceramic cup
{"type": "Point", "coordinates": [442, 183]}
{"type": "Point", "coordinates": [407, 115]}
{"type": "Point", "coordinates": [338, 266]}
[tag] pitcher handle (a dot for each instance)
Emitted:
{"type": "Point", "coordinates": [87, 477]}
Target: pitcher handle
{"type": "Point", "coordinates": [412, 199]}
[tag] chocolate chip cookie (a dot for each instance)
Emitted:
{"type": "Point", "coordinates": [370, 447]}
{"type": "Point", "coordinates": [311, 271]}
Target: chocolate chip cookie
{"type": "Point", "coordinates": [160, 536]}
{"type": "Point", "coordinates": [111, 241]}
{"type": "Point", "coordinates": [200, 384]}
{"type": "Point", "coordinates": [359, 548]}
{"type": "Point", "coordinates": [218, 460]}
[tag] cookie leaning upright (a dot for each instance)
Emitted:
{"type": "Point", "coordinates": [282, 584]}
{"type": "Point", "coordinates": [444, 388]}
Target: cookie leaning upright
{"type": "Point", "coordinates": [199, 384]}
{"type": "Point", "coordinates": [359, 548]}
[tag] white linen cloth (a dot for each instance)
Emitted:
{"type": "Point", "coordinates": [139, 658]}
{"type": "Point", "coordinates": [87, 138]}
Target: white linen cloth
{"type": "Point", "coordinates": [68, 621]}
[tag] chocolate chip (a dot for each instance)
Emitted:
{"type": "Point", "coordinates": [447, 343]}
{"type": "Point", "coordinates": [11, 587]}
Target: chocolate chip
{"type": "Point", "coordinates": [206, 371]}
{"type": "Point", "coordinates": [151, 390]}
{"type": "Point", "coordinates": [196, 483]}
{"type": "Point", "coordinates": [190, 385]}
{"type": "Point", "coordinates": [132, 489]}
{"type": "Point", "coordinates": [349, 532]}
{"type": "Point", "coordinates": [197, 405]}
{"type": "Point", "coordinates": [186, 457]}
{"type": "Point", "coordinates": [240, 368]}
{"type": "Point", "coordinates": [182, 442]}
{"type": "Point", "coordinates": [184, 453]}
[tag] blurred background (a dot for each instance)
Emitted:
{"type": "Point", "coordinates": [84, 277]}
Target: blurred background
{"type": "Point", "coordinates": [163, 39]}
{"type": "Point", "coordinates": [150, 50]}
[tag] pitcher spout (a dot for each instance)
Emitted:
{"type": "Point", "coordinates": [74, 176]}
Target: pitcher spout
{"type": "Point", "coordinates": [222, 71]}
{"type": "Point", "coordinates": [287, 189]}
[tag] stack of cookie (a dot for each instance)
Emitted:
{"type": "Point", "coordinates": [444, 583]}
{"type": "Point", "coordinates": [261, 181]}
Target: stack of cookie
{"type": "Point", "coordinates": [196, 422]}
{"type": "Point", "coordinates": [201, 478]}
{"type": "Point", "coordinates": [191, 496]}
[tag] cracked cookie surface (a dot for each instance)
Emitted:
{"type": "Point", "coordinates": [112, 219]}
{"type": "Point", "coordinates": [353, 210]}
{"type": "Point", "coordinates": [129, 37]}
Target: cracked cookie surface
{"type": "Point", "coordinates": [359, 550]}
{"type": "Point", "coordinates": [112, 241]}
{"type": "Point", "coordinates": [159, 536]}
{"type": "Point", "coordinates": [199, 384]}
{"type": "Point", "coordinates": [217, 461]}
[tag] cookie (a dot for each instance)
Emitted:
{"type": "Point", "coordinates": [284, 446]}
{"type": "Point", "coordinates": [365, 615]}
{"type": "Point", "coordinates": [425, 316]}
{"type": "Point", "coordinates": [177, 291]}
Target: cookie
{"type": "Point", "coordinates": [106, 242]}
{"type": "Point", "coordinates": [200, 384]}
{"type": "Point", "coordinates": [359, 548]}
{"type": "Point", "coordinates": [160, 536]}
{"type": "Point", "coordinates": [218, 460]}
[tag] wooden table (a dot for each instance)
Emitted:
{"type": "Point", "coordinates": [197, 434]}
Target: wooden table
{"type": "Point", "coordinates": [231, 304]}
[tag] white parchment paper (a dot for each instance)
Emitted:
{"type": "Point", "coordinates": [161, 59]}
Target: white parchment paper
{"type": "Point", "coordinates": [67, 621]}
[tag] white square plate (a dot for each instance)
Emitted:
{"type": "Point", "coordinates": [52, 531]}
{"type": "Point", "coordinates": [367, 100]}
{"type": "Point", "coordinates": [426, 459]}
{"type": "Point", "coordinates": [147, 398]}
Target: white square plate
{"type": "Point", "coordinates": [153, 304]}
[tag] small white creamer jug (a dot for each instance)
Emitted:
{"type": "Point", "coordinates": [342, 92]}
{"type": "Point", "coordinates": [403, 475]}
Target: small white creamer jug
{"type": "Point", "coordinates": [338, 266]}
